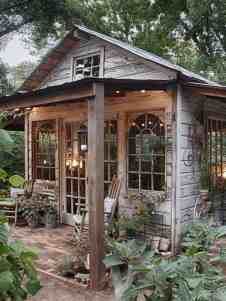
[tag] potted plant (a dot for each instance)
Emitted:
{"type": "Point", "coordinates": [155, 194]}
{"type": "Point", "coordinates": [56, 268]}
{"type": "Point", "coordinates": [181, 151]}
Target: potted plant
{"type": "Point", "coordinates": [31, 215]}
{"type": "Point", "coordinates": [29, 209]}
{"type": "Point", "coordinates": [50, 218]}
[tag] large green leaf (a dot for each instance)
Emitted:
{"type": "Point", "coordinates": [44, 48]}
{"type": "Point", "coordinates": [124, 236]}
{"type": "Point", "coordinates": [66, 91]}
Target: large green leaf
{"type": "Point", "coordinates": [112, 260]}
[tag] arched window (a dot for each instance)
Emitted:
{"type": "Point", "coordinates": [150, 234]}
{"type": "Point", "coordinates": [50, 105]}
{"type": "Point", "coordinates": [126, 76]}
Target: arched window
{"type": "Point", "coordinates": [44, 150]}
{"type": "Point", "coordinates": [146, 153]}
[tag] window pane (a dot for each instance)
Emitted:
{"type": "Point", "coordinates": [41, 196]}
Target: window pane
{"type": "Point", "coordinates": [132, 146]}
{"type": "Point", "coordinates": [159, 182]}
{"type": "Point", "coordinates": [146, 165]}
{"type": "Point", "coordinates": [68, 205]}
{"type": "Point", "coordinates": [133, 163]}
{"type": "Point", "coordinates": [113, 170]}
{"type": "Point", "coordinates": [133, 180]}
{"type": "Point", "coordinates": [146, 182]}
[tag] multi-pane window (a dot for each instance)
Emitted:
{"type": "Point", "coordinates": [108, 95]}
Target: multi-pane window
{"type": "Point", "coordinates": [110, 152]}
{"type": "Point", "coordinates": [44, 149]}
{"type": "Point", "coordinates": [88, 66]}
{"type": "Point", "coordinates": [146, 154]}
{"type": "Point", "coordinates": [216, 150]}
{"type": "Point", "coordinates": [75, 166]}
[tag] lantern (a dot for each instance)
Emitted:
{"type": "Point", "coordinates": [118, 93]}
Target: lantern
{"type": "Point", "coordinates": [83, 140]}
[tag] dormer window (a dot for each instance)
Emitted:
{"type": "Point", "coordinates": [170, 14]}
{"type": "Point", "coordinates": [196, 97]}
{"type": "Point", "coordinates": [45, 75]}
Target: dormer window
{"type": "Point", "coordinates": [87, 66]}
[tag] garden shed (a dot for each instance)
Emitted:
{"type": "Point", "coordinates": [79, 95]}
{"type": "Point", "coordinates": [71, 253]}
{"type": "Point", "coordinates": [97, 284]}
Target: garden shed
{"type": "Point", "coordinates": [95, 108]}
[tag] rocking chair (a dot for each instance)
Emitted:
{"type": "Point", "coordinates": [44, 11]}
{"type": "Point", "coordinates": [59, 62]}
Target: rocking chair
{"type": "Point", "coordinates": [110, 206]}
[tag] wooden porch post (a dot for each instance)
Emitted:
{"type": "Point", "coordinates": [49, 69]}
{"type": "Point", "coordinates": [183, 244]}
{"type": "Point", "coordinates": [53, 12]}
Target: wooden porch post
{"type": "Point", "coordinates": [96, 184]}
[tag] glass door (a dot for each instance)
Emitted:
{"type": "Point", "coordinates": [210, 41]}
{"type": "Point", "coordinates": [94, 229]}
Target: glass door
{"type": "Point", "coordinates": [75, 173]}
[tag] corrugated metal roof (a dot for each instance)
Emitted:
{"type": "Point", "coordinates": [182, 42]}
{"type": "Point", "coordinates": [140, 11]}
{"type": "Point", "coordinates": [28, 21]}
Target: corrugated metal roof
{"type": "Point", "coordinates": [146, 55]}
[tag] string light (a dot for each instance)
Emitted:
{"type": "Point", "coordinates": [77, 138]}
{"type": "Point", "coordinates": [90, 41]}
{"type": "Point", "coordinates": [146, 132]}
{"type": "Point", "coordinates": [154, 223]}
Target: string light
{"type": "Point", "coordinates": [142, 124]}
{"type": "Point", "coordinates": [117, 92]}
{"type": "Point", "coordinates": [142, 91]}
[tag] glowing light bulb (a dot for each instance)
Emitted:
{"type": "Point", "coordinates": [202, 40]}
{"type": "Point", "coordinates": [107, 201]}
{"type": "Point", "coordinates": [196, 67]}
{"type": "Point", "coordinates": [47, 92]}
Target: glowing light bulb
{"type": "Point", "coordinates": [75, 163]}
{"type": "Point", "coordinates": [117, 92]}
{"type": "Point", "coordinates": [224, 174]}
{"type": "Point", "coordinates": [81, 164]}
{"type": "Point", "coordinates": [142, 91]}
{"type": "Point", "coordinates": [142, 124]}
{"type": "Point", "coordinates": [44, 162]}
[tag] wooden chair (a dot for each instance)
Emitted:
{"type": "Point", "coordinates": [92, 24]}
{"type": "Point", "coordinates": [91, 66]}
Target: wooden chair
{"type": "Point", "coordinates": [110, 205]}
{"type": "Point", "coordinates": [111, 200]}
{"type": "Point", "coordinates": [8, 207]}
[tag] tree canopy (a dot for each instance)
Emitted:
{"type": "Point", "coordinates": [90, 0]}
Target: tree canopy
{"type": "Point", "coordinates": [189, 32]}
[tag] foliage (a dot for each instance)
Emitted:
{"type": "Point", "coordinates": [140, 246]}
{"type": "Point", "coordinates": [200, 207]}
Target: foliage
{"type": "Point", "coordinates": [16, 181]}
{"type": "Point", "coordinates": [5, 87]}
{"type": "Point", "coordinates": [11, 148]}
{"type": "Point", "coordinates": [139, 274]}
{"type": "Point", "coordinates": [18, 277]}
{"type": "Point", "coordinates": [199, 236]}
{"type": "Point", "coordinates": [35, 208]}
{"type": "Point", "coordinates": [20, 72]}
{"type": "Point", "coordinates": [187, 32]}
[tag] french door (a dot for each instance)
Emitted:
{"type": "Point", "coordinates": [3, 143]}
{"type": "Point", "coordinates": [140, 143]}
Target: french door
{"type": "Point", "coordinates": [75, 167]}
{"type": "Point", "coordinates": [75, 174]}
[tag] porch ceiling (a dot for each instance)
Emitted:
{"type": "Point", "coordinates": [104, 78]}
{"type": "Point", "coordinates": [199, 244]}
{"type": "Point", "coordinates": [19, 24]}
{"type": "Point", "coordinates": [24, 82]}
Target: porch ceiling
{"type": "Point", "coordinates": [79, 90]}
{"type": "Point", "coordinates": [207, 90]}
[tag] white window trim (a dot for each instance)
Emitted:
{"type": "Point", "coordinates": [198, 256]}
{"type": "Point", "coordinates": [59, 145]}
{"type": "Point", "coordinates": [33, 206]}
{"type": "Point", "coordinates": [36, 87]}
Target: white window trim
{"type": "Point", "coordinates": [85, 54]}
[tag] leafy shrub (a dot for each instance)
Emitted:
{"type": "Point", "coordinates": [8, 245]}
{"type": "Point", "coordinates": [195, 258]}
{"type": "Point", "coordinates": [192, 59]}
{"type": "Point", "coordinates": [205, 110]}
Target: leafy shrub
{"type": "Point", "coordinates": [140, 274]}
{"type": "Point", "coordinates": [18, 277]}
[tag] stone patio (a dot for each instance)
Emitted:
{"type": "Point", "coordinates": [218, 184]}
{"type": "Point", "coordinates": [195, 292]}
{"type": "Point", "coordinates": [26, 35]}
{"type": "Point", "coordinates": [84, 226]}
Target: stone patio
{"type": "Point", "coordinates": [52, 246]}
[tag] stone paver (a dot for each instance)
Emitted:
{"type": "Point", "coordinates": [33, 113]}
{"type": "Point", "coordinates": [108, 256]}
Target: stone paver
{"type": "Point", "coordinates": [54, 290]}
{"type": "Point", "coordinates": [52, 246]}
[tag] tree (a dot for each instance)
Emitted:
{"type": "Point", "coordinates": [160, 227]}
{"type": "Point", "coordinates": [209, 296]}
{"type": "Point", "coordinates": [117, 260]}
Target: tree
{"type": "Point", "coordinates": [5, 87]}
{"type": "Point", "coordinates": [19, 73]}
{"type": "Point", "coordinates": [42, 16]}
{"type": "Point", "coordinates": [169, 28]}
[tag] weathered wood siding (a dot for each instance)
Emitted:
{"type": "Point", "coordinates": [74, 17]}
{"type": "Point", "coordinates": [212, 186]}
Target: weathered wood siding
{"type": "Point", "coordinates": [189, 155]}
{"type": "Point", "coordinates": [116, 63]}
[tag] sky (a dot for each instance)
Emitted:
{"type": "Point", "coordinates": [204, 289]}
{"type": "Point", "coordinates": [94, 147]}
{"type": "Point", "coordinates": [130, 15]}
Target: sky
{"type": "Point", "coordinates": [15, 52]}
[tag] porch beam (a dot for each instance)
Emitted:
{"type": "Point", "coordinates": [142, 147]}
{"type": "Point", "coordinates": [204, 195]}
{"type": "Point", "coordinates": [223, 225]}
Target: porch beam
{"type": "Point", "coordinates": [42, 99]}
{"type": "Point", "coordinates": [96, 184]}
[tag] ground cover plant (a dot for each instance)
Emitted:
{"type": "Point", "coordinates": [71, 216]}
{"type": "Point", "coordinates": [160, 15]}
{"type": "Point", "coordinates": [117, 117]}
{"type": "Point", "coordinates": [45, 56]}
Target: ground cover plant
{"type": "Point", "coordinates": [139, 274]}
{"type": "Point", "coordinates": [18, 277]}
